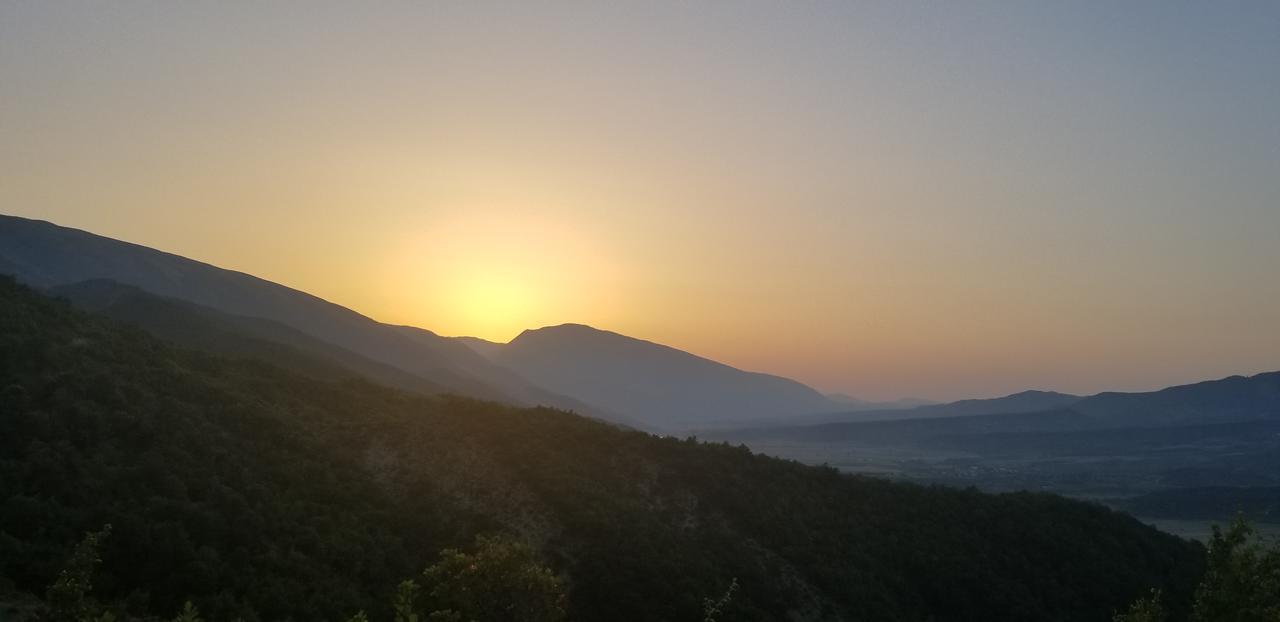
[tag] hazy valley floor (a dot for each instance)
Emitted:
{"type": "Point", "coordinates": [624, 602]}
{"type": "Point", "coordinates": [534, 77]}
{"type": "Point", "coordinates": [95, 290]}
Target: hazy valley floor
{"type": "Point", "coordinates": [1183, 486]}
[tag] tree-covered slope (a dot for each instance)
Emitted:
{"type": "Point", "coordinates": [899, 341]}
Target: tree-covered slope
{"type": "Point", "coordinates": [202, 328]}
{"type": "Point", "coordinates": [261, 493]}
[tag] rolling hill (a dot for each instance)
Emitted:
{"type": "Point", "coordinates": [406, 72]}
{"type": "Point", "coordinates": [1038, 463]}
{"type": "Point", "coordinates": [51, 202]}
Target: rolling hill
{"type": "Point", "coordinates": [657, 385]}
{"type": "Point", "coordinates": [1216, 402]}
{"type": "Point", "coordinates": [1236, 398]}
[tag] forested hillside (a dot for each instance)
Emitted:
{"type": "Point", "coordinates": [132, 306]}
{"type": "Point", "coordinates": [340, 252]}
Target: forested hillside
{"type": "Point", "coordinates": [265, 494]}
{"type": "Point", "coordinates": [234, 336]}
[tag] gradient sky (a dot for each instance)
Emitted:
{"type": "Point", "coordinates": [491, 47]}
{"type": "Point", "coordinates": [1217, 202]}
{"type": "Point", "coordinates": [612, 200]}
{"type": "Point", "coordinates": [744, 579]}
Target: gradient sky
{"type": "Point", "coordinates": [939, 199]}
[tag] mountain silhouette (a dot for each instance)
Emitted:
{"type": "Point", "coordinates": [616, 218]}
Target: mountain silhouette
{"type": "Point", "coordinates": [46, 255]}
{"type": "Point", "coordinates": [1212, 401]}
{"type": "Point", "coordinates": [653, 384]}
{"type": "Point", "coordinates": [1228, 401]}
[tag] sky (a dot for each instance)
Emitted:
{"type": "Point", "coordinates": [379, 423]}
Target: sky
{"type": "Point", "coordinates": [940, 200]}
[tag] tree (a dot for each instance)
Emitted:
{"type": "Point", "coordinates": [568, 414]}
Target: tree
{"type": "Point", "coordinates": [1148, 609]}
{"type": "Point", "coordinates": [189, 613]}
{"type": "Point", "coordinates": [712, 609]}
{"type": "Point", "coordinates": [1242, 580]}
{"type": "Point", "coordinates": [502, 580]}
{"type": "Point", "coordinates": [405, 599]}
{"type": "Point", "coordinates": [68, 597]}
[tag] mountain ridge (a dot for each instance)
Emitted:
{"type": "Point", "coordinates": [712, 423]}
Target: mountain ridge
{"type": "Point", "coordinates": [1100, 411]}
{"type": "Point", "coordinates": [46, 255]}
{"type": "Point", "coordinates": [654, 383]}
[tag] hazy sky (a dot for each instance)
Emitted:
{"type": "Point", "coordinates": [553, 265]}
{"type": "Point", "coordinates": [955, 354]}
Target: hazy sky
{"type": "Point", "coordinates": [936, 199]}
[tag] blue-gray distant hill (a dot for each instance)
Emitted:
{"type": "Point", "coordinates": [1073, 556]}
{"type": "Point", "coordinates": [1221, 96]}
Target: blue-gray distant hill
{"type": "Point", "coordinates": [653, 384]}
{"type": "Point", "coordinates": [1147, 447]}
{"type": "Point", "coordinates": [1235, 398]}
{"type": "Point", "coordinates": [1232, 400]}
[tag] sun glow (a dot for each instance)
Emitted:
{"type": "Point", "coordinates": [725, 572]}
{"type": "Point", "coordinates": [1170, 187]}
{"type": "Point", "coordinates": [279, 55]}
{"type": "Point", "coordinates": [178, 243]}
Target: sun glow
{"type": "Point", "coordinates": [494, 303]}
{"type": "Point", "coordinates": [493, 277]}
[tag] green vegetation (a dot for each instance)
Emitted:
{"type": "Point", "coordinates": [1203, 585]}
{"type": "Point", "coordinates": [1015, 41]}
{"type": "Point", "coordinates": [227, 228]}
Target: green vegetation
{"type": "Point", "coordinates": [1149, 609]}
{"type": "Point", "coordinates": [68, 600]}
{"type": "Point", "coordinates": [502, 580]}
{"type": "Point", "coordinates": [1241, 583]}
{"type": "Point", "coordinates": [261, 494]}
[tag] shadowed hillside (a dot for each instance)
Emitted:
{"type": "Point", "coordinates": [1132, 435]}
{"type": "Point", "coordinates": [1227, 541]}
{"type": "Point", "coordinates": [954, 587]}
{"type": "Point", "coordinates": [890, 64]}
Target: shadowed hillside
{"type": "Point", "coordinates": [205, 329]}
{"type": "Point", "coordinates": [260, 493]}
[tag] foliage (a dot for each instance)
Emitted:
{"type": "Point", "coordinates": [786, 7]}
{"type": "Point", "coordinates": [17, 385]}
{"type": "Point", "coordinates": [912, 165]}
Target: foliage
{"type": "Point", "coordinates": [502, 580]}
{"type": "Point", "coordinates": [711, 609]}
{"type": "Point", "coordinates": [258, 493]}
{"type": "Point", "coordinates": [68, 598]}
{"type": "Point", "coordinates": [1241, 583]}
{"type": "Point", "coordinates": [405, 603]}
{"type": "Point", "coordinates": [189, 613]}
{"type": "Point", "coordinates": [1148, 609]}
{"type": "Point", "coordinates": [1242, 580]}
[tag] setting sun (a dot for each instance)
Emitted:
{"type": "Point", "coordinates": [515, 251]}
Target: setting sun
{"type": "Point", "coordinates": [493, 304]}
{"type": "Point", "coordinates": [492, 274]}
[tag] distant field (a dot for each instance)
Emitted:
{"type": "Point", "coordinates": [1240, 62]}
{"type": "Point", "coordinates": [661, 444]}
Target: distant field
{"type": "Point", "coordinates": [1201, 530]}
{"type": "Point", "coordinates": [1180, 475]}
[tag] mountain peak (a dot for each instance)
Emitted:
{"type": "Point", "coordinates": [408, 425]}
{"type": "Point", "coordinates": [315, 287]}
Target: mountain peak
{"type": "Point", "coordinates": [649, 382]}
{"type": "Point", "coordinates": [568, 329]}
{"type": "Point", "coordinates": [1039, 393]}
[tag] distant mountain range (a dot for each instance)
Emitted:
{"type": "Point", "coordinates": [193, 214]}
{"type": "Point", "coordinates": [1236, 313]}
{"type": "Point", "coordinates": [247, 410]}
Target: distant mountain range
{"type": "Point", "coordinates": [1233, 399]}
{"type": "Point", "coordinates": [571, 366]}
{"type": "Point", "coordinates": [1228, 398]}
{"type": "Point", "coordinates": [1135, 451]}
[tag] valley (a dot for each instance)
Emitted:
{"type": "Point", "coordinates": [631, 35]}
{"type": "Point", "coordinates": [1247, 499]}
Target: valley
{"type": "Point", "coordinates": [1062, 452]}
